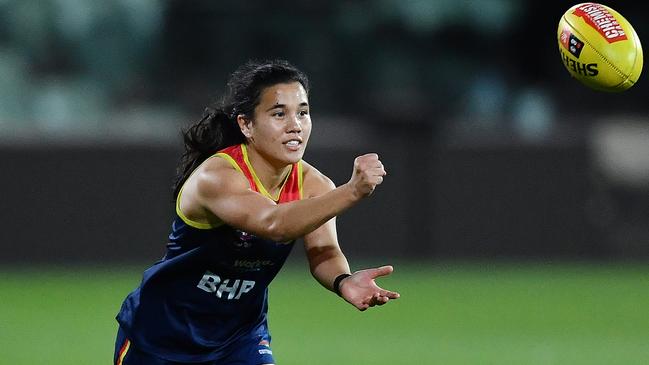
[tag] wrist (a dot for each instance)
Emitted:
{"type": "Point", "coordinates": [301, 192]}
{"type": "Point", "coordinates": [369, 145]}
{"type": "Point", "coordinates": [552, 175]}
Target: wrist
{"type": "Point", "coordinates": [337, 281]}
{"type": "Point", "coordinates": [352, 192]}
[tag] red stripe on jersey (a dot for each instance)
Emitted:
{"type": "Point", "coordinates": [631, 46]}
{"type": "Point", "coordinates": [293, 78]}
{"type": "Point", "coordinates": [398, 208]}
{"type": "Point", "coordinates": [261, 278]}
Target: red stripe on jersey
{"type": "Point", "coordinates": [290, 190]}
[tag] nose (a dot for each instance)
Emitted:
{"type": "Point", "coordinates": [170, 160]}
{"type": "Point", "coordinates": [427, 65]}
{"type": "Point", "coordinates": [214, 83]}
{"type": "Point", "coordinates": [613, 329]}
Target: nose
{"type": "Point", "coordinates": [294, 125]}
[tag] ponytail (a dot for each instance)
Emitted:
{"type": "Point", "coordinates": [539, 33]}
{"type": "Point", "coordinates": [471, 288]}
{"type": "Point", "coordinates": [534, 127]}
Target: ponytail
{"type": "Point", "coordinates": [215, 130]}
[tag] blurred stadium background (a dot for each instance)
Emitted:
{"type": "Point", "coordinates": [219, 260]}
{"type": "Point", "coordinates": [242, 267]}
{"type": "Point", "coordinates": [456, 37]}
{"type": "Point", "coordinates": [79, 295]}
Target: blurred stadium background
{"type": "Point", "coordinates": [516, 210]}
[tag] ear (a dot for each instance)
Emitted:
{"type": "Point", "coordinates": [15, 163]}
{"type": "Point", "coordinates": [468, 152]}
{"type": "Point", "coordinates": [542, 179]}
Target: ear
{"type": "Point", "coordinates": [244, 125]}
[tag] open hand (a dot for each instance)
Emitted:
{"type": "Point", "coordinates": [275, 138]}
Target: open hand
{"type": "Point", "coordinates": [361, 290]}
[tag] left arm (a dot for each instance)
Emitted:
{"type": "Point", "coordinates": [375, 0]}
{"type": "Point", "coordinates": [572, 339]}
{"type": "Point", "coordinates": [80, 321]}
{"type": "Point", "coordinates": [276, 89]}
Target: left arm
{"type": "Point", "coordinates": [327, 261]}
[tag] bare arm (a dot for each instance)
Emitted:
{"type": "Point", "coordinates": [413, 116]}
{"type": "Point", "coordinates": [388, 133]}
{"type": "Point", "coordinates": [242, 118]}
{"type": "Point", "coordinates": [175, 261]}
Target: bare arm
{"type": "Point", "coordinates": [327, 261]}
{"type": "Point", "coordinates": [222, 191]}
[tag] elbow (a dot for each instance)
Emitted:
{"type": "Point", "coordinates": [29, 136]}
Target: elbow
{"type": "Point", "coordinates": [276, 229]}
{"type": "Point", "coordinates": [278, 232]}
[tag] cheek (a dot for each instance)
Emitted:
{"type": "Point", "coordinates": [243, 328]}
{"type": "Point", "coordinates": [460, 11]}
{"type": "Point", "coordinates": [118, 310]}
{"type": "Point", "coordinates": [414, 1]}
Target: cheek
{"type": "Point", "coordinates": [264, 130]}
{"type": "Point", "coordinates": [306, 128]}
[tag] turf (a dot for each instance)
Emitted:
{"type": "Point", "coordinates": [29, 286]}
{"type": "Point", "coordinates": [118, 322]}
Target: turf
{"type": "Point", "coordinates": [449, 313]}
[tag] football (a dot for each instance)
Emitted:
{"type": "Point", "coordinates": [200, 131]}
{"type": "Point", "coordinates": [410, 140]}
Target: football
{"type": "Point", "coordinates": [599, 47]}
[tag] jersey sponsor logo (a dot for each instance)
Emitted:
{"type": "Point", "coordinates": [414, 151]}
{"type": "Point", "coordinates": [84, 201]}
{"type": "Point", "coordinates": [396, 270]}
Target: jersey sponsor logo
{"type": "Point", "coordinates": [232, 288]}
{"type": "Point", "coordinates": [253, 264]}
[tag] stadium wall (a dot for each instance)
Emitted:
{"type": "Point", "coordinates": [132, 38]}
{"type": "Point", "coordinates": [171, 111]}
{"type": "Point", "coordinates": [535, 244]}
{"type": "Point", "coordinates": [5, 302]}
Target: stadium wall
{"type": "Point", "coordinates": [113, 203]}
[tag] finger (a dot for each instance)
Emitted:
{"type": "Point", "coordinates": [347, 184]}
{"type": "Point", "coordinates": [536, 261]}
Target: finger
{"type": "Point", "coordinates": [361, 307]}
{"type": "Point", "coordinates": [381, 271]}
{"type": "Point", "coordinates": [382, 300]}
{"type": "Point", "coordinates": [368, 157]}
{"type": "Point", "coordinates": [369, 301]}
{"type": "Point", "coordinates": [376, 166]}
{"type": "Point", "coordinates": [392, 295]}
{"type": "Point", "coordinates": [372, 300]}
{"type": "Point", "coordinates": [379, 299]}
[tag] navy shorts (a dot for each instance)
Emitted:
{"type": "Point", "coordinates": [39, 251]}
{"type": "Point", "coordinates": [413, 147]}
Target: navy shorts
{"type": "Point", "coordinates": [252, 350]}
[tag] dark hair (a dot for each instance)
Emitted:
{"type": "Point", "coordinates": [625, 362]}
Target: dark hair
{"type": "Point", "coordinates": [218, 126]}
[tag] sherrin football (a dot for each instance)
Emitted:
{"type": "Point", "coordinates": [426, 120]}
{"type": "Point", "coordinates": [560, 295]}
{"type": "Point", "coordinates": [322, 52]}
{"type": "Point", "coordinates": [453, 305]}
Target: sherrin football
{"type": "Point", "coordinates": [599, 47]}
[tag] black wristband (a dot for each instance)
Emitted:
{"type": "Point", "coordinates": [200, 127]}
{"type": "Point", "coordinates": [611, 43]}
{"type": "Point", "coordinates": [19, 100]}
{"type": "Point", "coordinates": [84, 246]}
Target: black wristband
{"type": "Point", "coordinates": [337, 281]}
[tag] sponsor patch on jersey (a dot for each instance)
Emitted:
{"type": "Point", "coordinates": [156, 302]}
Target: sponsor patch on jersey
{"type": "Point", "coordinates": [253, 265]}
{"type": "Point", "coordinates": [224, 288]}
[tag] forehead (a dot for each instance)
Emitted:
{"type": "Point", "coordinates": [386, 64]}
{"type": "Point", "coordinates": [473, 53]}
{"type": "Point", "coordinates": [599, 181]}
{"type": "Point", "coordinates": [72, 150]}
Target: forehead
{"type": "Point", "coordinates": [287, 94]}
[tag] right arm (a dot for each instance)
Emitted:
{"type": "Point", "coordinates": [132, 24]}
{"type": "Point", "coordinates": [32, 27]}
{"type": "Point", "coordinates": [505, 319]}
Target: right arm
{"type": "Point", "coordinates": [225, 193]}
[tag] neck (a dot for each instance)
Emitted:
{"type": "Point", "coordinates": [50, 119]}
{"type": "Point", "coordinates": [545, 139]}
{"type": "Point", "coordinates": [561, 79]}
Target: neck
{"type": "Point", "coordinates": [272, 175]}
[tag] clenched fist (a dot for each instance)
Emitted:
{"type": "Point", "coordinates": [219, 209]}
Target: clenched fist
{"type": "Point", "coordinates": [368, 173]}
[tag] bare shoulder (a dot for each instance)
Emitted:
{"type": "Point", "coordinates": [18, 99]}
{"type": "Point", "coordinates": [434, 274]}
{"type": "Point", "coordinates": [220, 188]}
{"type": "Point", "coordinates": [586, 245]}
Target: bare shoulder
{"type": "Point", "coordinates": [212, 181]}
{"type": "Point", "coordinates": [216, 175]}
{"type": "Point", "coordinates": [315, 182]}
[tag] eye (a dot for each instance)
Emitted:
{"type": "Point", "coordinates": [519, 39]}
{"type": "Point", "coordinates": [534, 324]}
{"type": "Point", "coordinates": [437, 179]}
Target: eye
{"type": "Point", "coordinates": [304, 113]}
{"type": "Point", "coordinates": [278, 114]}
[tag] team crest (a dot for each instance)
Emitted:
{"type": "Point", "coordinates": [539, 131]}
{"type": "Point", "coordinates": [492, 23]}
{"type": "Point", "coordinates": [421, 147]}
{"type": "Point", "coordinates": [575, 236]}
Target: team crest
{"type": "Point", "coordinates": [244, 239]}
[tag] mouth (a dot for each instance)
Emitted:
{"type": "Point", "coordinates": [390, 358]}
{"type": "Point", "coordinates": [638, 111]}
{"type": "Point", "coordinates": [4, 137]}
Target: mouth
{"type": "Point", "coordinates": [293, 144]}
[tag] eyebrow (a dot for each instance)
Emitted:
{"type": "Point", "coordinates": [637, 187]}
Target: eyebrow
{"type": "Point", "coordinates": [284, 106]}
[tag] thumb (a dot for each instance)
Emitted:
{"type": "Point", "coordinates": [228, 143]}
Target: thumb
{"type": "Point", "coordinates": [381, 271]}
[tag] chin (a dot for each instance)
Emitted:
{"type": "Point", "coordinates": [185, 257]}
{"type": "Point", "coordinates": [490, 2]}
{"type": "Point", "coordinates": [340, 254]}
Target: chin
{"type": "Point", "coordinates": [294, 157]}
{"type": "Point", "coordinates": [285, 158]}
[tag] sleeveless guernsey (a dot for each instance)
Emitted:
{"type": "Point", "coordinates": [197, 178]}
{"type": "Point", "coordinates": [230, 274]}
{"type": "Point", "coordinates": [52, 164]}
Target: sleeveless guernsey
{"type": "Point", "coordinates": [211, 287]}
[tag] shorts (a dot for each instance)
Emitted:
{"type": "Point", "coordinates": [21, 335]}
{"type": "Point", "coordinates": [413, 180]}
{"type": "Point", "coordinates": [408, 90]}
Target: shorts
{"type": "Point", "coordinates": [248, 350]}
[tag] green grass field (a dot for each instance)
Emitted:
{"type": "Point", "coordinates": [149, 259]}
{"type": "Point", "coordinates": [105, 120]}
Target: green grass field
{"type": "Point", "coordinates": [449, 313]}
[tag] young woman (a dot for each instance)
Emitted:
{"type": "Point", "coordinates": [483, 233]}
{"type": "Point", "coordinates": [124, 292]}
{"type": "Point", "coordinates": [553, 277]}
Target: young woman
{"type": "Point", "coordinates": [243, 195]}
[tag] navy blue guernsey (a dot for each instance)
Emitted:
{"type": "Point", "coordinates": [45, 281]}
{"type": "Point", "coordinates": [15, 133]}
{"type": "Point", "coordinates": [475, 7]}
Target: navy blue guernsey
{"type": "Point", "coordinates": [211, 287]}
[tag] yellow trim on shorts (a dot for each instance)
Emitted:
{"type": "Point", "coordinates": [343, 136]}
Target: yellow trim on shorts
{"type": "Point", "coordinates": [122, 355]}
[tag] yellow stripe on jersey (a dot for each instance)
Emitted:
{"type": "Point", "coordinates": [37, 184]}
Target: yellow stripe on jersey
{"type": "Point", "coordinates": [260, 186]}
{"type": "Point", "coordinates": [192, 223]}
{"type": "Point", "coordinates": [299, 178]}
{"type": "Point", "coordinates": [230, 160]}
{"type": "Point", "coordinates": [189, 222]}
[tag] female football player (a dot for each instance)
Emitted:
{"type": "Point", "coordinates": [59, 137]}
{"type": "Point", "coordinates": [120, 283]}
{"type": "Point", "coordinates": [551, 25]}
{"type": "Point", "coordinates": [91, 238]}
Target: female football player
{"type": "Point", "coordinates": [243, 196]}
